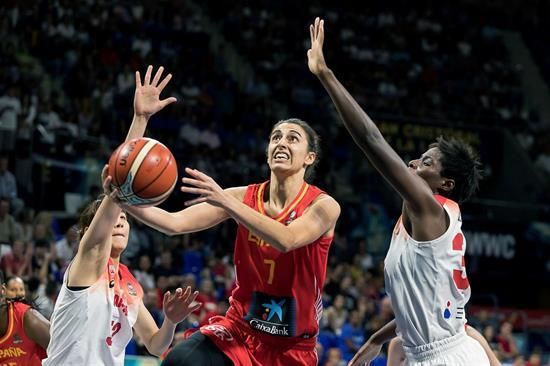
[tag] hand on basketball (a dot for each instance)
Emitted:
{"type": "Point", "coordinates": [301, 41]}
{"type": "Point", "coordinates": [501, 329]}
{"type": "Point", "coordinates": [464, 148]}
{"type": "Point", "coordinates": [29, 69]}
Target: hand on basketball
{"type": "Point", "coordinates": [205, 186]}
{"type": "Point", "coordinates": [108, 189]}
{"type": "Point", "coordinates": [366, 354]}
{"type": "Point", "coordinates": [147, 97]}
{"type": "Point", "coordinates": [178, 306]}
{"type": "Point", "coordinates": [315, 58]}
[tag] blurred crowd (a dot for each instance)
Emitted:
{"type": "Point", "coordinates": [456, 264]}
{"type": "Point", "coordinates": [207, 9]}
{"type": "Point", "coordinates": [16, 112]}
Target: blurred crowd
{"type": "Point", "coordinates": [66, 89]}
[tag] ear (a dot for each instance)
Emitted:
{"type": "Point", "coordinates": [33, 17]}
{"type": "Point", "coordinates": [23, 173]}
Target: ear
{"type": "Point", "coordinates": [447, 185]}
{"type": "Point", "coordinates": [310, 158]}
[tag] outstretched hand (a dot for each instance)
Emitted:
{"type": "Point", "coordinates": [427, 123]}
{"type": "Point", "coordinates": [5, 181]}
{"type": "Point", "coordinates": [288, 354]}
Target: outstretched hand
{"type": "Point", "coordinates": [178, 306]}
{"type": "Point", "coordinates": [366, 354]}
{"type": "Point", "coordinates": [108, 188]}
{"type": "Point", "coordinates": [204, 186]}
{"type": "Point", "coordinates": [315, 58]}
{"type": "Point", "coordinates": [147, 96]}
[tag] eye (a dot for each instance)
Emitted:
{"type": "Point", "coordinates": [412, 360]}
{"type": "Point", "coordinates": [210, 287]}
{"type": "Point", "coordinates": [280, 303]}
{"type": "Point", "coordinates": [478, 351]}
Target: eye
{"type": "Point", "coordinates": [275, 137]}
{"type": "Point", "coordinates": [292, 138]}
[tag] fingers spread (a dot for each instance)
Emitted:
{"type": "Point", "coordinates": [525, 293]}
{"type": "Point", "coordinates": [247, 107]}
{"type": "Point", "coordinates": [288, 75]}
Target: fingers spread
{"type": "Point", "coordinates": [147, 80]}
{"type": "Point", "coordinates": [138, 80]}
{"type": "Point", "coordinates": [164, 82]}
{"type": "Point", "coordinates": [158, 74]}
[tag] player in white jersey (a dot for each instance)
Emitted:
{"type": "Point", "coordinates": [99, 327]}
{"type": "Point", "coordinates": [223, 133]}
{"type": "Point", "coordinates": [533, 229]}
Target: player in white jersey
{"type": "Point", "coordinates": [100, 301]}
{"type": "Point", "coordinates": [424, 269]}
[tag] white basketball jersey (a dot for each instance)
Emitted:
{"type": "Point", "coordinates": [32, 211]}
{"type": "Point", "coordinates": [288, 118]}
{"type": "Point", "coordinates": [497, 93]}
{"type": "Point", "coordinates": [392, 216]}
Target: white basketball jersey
{"type": "Point", "coordinates": [94, 326]}
{"type": "Point", "coordinates": [427, 282]}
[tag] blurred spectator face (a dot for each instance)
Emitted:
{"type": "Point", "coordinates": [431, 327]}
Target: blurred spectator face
{"type": "Point", "coordinates": [40, 231]}
{"type": "Point", "coordinates": [166, 259]}
{"type": "Point", "coordinates": [71, 235]}
{"type": "Point", "coordinates": [4, 207]}
{"type": "Point", "coordinates": [207, 287]}
{"type": "Point", "coordinates": [355, 318]}
{"type": "Point", "coordinates": [162, 283]}
{"type": "Point", "coordinates": [506, 329]}
{"type": "Point", "coordinates": [339, 302]}
{"type": "Point", "coordinates": [144, 263]}
{"type": "Point", "coordinates": [150, 298]}
{"type": "Point", "coordinates": [3, 164]}
{"type": "Point", "coordinates": [519, 361]}
{"type": "Point", "coordinates": [489, 332]}
{"type": "Point", "coordinates": [535, 360]}
{"type": "Point", "coordinates": [18, 249]}
{"type": "Point", "coordinates": [346, 283]}
{"type": "Point", "coordinates": [14, 288]}
{"type": "Point", "coordinates": [334, 357]}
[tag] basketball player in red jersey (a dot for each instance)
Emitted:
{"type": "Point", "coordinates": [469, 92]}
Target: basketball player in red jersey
{"type": "Point", "coordinates": [100, 300]}
{"type": "Point", "coordinates": [424, 269]}
{"type": "Point", "coordinates": [24, 333]}
{"type": "Point", "coordinates": [285, 230]}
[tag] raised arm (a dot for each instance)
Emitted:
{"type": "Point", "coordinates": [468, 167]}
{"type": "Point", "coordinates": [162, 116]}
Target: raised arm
{"type": "Point", "coordinates": [414, 191]}
{"type": "Point", "coordinates": [319, 220]}
{"type": "Point", "coordinates": [147, 100]}
{"type": "Point", "coordinates": [95, 246]}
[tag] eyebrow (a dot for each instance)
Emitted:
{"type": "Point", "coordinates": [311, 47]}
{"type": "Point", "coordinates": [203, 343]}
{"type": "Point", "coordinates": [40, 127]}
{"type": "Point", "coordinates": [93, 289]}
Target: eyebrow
{"type": "Point", "coordinates": [279, 131]}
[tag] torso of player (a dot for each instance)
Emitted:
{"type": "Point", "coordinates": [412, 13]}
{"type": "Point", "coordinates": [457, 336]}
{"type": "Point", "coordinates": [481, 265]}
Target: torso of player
{"type": "Point", "coordinates": [279, 294]}
{"type": "Point", "coordinates": [16, 349]}
{"type": "Point", "coordinates": [101, 318]}
{"type": "Point", "coordinates": [427, 281]}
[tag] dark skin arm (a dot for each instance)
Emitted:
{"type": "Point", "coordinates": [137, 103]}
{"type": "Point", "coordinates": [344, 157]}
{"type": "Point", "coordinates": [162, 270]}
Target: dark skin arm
{"type": "Point", "coordinates": [421, 211]}
{"type": "Point", "coordinates": [37, 327]}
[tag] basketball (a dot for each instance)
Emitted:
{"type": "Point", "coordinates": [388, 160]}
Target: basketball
{"type": "Point", "coordinates": [144, 171]}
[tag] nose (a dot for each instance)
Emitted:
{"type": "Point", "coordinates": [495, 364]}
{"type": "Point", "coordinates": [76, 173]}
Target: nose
{"type": "Point", "coordinates": [119, 224]}
{"type": "Point", "coordinates": [413, 164]}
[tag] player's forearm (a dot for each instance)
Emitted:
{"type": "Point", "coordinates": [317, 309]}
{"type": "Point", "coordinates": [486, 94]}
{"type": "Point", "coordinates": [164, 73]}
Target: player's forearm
{"type": "Point", "coordinates": [384, 334]}
{"type": "Point", "coordinates": [161, 340]}
{"type": "Point", "coordinates": [356, 121]}
{"type": "Point", "coordinates": [101, 227]}
{"type": "Point", "coordinates": [156, 218]}
{"type": "Point", "coordinates": [273, 232]}
{"type": "Point", "coordinates": [137, 128]}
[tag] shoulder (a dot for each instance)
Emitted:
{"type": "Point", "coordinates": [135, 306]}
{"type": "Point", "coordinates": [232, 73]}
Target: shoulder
{"type": "Point", "coordinates": [326, 200]}
{"type": "Point", "coordinates": [240, 192]}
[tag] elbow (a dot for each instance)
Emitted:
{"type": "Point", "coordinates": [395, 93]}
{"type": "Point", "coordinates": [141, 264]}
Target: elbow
{"type": "Point", "coordinates": [287, 245]}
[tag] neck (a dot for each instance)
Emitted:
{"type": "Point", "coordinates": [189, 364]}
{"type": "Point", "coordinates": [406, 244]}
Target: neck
{"type": "Point", "coordinates": [283, 190]}
{"type": "Point", "coordinates": [115, 259]}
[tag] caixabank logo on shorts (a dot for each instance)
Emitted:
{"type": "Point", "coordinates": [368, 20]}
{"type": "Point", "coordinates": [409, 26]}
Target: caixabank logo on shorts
{"type": "Point", "coordinates": [273, 315]}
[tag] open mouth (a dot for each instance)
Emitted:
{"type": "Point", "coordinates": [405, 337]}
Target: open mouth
{"type": "Point", "coordinates": [281, 156]}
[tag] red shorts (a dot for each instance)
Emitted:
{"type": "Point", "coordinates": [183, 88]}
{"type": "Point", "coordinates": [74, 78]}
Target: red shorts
{"type": "Point", "coordinates": [234, 338]}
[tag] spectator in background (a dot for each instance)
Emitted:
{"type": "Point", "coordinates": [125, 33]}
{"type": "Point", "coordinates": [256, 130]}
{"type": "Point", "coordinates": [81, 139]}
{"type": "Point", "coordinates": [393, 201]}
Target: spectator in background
{"type": "Point", "coordinates": [10, 109]}
{"type": "Point", "coordinates": [9, 228]}
{"type": "Point", "coordinates": [18, 262]}
{"type": "Point", "coordinates": [66, 247]}
{"type": "Point", "coordinates": [334, 357]}
{"type": "Point", "coordinates": [506, 343]}
{"type": "Point", "coordinates": [352, 336]}
{"type": "Point", "coordinates": [8, 186]}
{"type": "Point", "coordinates": [335, 315]}
{"type": "Point", "coordinates": [143, 273]}
{"type": "Point", "coordinates": [14, 288]}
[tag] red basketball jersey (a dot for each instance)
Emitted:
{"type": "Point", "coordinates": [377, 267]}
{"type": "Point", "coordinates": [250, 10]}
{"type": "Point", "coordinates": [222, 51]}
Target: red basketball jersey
{"type": "Point", "coordinates": [279, 294]}
{"type": "Point", "coordinates": [16, 349]}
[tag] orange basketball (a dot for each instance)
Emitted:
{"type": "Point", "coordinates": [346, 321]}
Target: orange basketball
{"type": "Point", "coordinates": [144, 171]}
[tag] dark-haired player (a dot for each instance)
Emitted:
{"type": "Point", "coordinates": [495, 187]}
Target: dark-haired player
{"type": "Point", "coordinates": [424, 271]}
